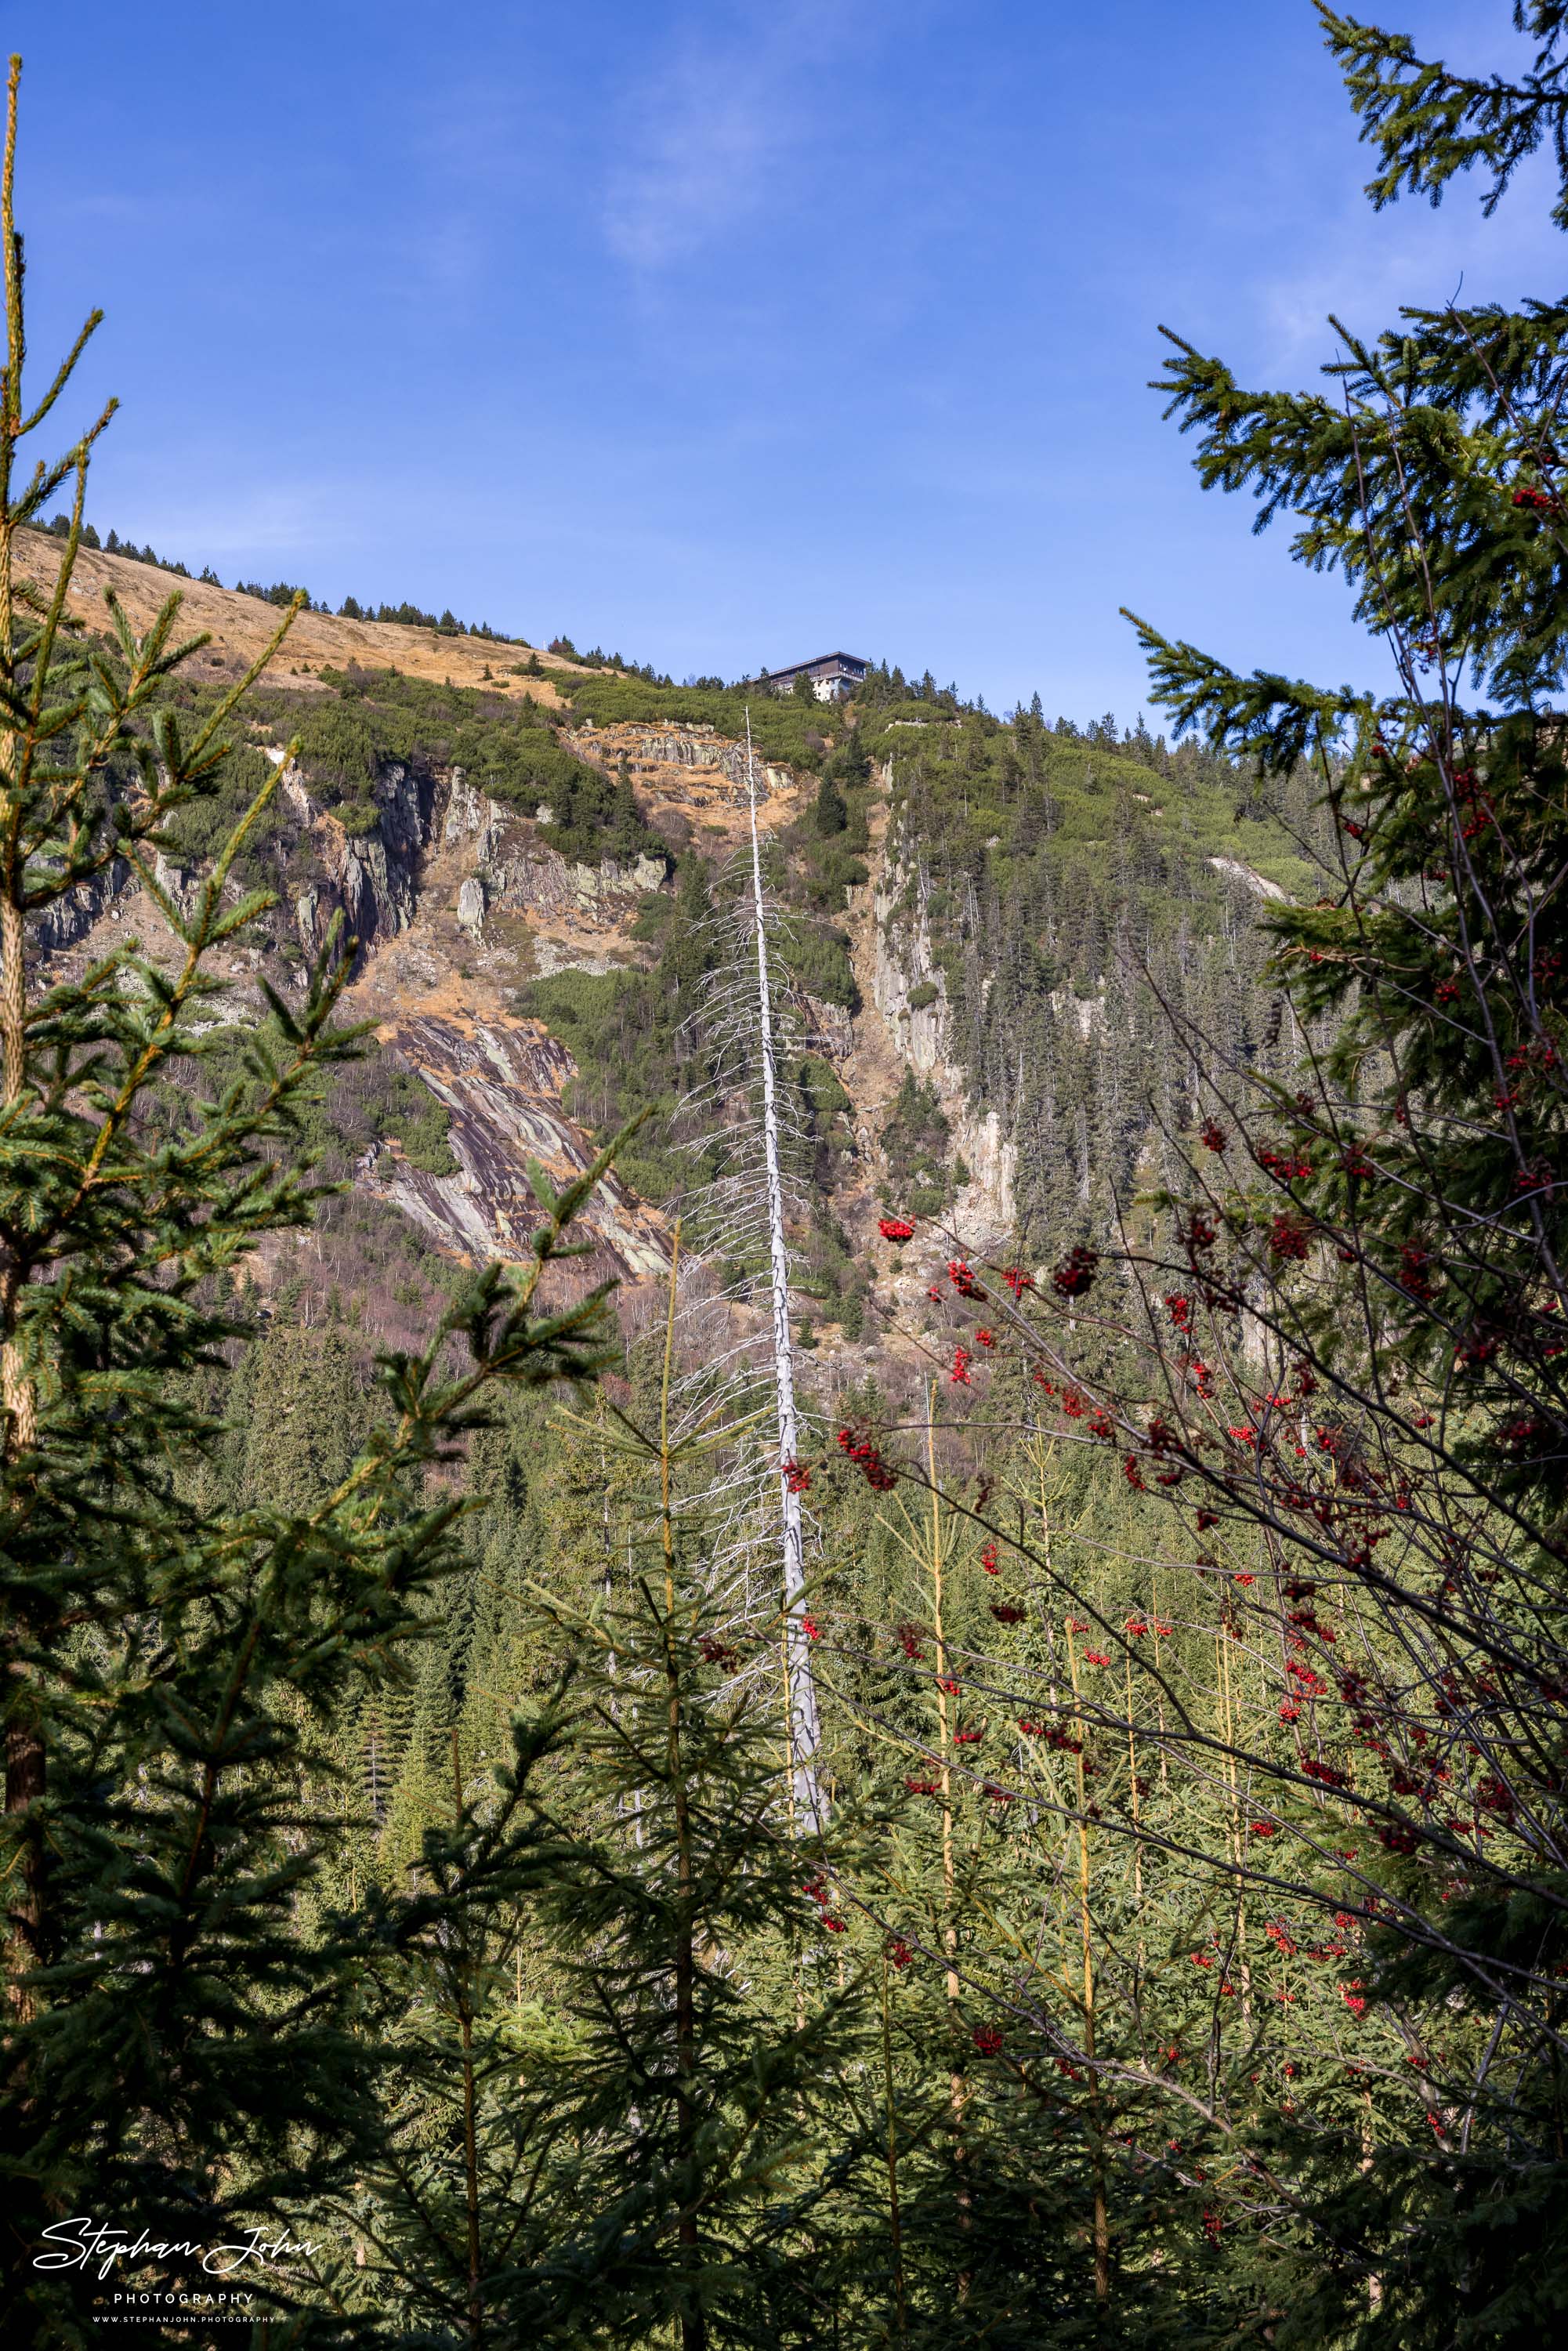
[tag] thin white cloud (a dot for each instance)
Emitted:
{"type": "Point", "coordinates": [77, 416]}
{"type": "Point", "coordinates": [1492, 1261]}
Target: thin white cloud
{"type": "Point", "coordinates": [1365, 266]}
{"type": "Point", "coordinates": [709, 137]}
{"type": "Point", "coordinates": [277, 520]}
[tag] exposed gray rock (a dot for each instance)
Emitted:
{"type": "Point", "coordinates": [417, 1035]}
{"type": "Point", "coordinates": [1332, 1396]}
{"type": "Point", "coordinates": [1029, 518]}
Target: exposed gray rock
{"type": "Point", "coordinates": [904, 965]}
{"type": "Point", "coordinates": [471, 904]}
{"type": "Point", "coordinates": [179, 884]}
{"type": "Point", "coordinates": [1259, 884]}
{"type": "Point", "coordinates": [502, 1086]}
{"type": "Point", "coordinates": [72, 915]}
{"type": "Point", "coordinates": [404, 810]}
{"type": "Point", "coordinates": [695, 745]}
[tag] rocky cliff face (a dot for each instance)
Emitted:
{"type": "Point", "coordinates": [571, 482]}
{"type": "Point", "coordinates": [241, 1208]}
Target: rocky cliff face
{"type": "Point", "coordinates": [369, 878]}
{"type": "Point", "coordinates": [438, 839]}
{"type": "Point", "coordinates": [456, 899]}
{"type": "Point", "coordinates": [909, 990]}
{"type": "Point", "coordinates": [501, 1083]}
{"type": "Point", "coordinates": [709, 765]}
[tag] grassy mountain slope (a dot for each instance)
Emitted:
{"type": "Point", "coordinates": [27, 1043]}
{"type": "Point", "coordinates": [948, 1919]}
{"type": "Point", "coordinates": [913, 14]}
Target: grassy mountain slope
{"type": "Point", "coordinates": [980, 911]}
{"type": "Point", "coordinates": [241, 625]}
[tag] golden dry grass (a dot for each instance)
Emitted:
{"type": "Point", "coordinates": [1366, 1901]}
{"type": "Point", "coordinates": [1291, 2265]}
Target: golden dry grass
{"type": "Point", "coordinates": [240, 626]}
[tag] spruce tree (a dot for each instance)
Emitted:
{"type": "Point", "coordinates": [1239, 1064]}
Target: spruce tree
{"type": "Point", "coordinates": [700, 2086]}
{"type": "Point", "coordinates": [1340, 1342]}
{"type": "Point", "coordinates": [182, 2050]}
{"type": "Point", "coordinates": [829, 811]}
{"type": "Point", "coordinates": [466, 2198]}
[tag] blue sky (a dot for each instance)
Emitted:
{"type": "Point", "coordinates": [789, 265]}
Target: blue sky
{"type": "Point", "coordinates": [722, 333]}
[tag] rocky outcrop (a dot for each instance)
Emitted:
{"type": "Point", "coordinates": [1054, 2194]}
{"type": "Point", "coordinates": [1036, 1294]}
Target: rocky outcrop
{"type": "Point", "coordinates": [370, 878]}
{"type": "Point", "coordinates": [501, 1080]}
{"type": "Point", "coordinates": [468, 819]}
{"type": "Point", "coordinates": [1087, 1013]}
{"type": "Point", "coordinates": [826, 1028]}
{"type": "Point", "coordinates": [697, 748]}
{"type": "Point", "coordinates": [471, 904]}
{"type": "Point", "coordinates": [375, 880]}
{"type": "Point", "coordinates": [517, 872]}
{"type": "Point", "coordinates": [909, 989]}
{"type": "Point", "coordinates": [180, 883]}
{"type": "Point", "coordinates": [1249, 877]}
{"type": "Point", "coordinates": [71, 915]}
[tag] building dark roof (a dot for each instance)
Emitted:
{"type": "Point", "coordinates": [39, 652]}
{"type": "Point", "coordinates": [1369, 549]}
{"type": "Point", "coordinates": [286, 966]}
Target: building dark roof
{"type": "Point", "coordinates": [819, 661]}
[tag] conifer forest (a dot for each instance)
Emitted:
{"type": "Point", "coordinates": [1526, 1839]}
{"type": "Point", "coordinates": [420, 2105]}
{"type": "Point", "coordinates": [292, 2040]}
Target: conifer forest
{"type": "Point", "coordinates": [845, 1625]}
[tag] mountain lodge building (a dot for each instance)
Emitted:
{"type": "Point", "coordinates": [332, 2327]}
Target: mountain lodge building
{"type": "Point", "coordinates": [834, 676]}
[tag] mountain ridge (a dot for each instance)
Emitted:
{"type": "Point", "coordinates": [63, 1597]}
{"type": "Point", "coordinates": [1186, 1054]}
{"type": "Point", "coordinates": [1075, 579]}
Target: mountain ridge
{"type": "Point", "coordinates": [491, 913]}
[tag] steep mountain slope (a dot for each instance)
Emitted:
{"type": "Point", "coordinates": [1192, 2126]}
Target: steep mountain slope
{"type": "Point", "coordinates": [456, 895]}
{"type": "Point", "coordinates": [1070, 895]}
{"type": "Point", "coordinates": [525, 852]}
{"type": "Point", "coordinates": [241, 626]}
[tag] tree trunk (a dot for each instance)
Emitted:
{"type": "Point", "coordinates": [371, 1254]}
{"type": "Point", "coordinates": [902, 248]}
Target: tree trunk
{"type": "Point", "coordinates": [805, 1731]}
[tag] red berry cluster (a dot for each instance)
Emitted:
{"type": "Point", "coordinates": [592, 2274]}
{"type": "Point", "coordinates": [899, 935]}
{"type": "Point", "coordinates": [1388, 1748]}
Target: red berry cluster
{"type": "Point", "coordinates": [1283, 1164]}
{"type": "Point", "coordinates": [1414, 1277]}
{"type": "Point", "coordinates": [869, 1461]}
{"type": "Point", "coordinates": [1052, 1734]}
{"type": "Point", "coordinates": [894, 1229]}
{"type": "Point", "coordinates": [1288, 1237]}
{"type": "Point", "coordinates": [816, 1890]}
{"type": "Point", "coordinates": [1074, 1277]}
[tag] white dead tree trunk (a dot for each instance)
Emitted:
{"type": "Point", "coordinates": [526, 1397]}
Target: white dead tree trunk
{"type": "Point", "coordinates": [805, 1731]}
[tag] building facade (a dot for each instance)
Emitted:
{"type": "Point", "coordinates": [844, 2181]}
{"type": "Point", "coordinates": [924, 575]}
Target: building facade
{"type": "Point", "coordinates": [834, 676]}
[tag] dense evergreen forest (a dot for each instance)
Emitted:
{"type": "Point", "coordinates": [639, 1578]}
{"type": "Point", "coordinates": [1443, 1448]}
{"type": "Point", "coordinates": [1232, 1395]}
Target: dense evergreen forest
{"type": "Point", "coordinates": [533, 1825]}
